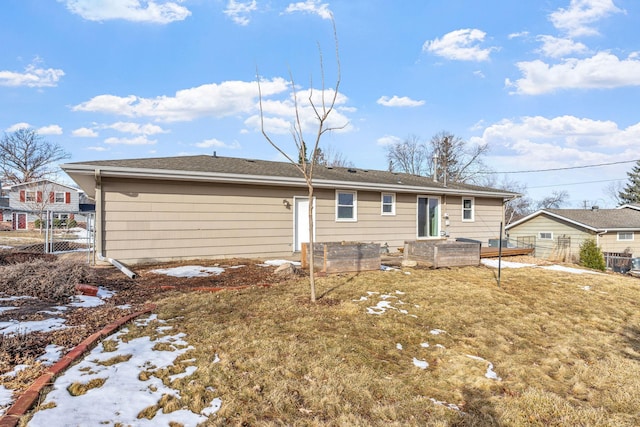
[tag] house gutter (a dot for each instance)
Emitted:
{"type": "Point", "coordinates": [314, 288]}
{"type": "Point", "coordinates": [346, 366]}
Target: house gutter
{"type": "Point", "coordinates": [118, 172]}
{"type": "Point", "coordinates": [117, 264]}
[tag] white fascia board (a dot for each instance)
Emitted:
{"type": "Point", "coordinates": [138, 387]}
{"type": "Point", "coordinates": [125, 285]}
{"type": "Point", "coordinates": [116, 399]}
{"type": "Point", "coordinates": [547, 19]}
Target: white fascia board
{"type": "Point", "coordinates": [556, 216]}
{"type": "Point", "coordinates": [112, 171]}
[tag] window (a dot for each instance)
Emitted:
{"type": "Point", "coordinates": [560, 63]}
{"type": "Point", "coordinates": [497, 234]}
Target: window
{"type": "Point", "coordinates": [625, 235]}
{"type": "Point", "coordinates": [545, 235]}
{"type": "Point", "coordinates": [388, 204]}
{"type": "Point", "coordinates": [30, 196]}
{"type": "Point", "coordinates": [346, 209]}
{"type": "Point", "coordinates": [60, 198]}
{"type": "Point", "coordinates": [428, 216]}
{"type": "Point", "coordinates": [467, 209]}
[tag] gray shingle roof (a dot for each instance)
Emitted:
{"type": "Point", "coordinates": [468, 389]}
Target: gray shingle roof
{"type": "Point", "coordinates": [239, 166]}
{"type": "Point", "coordinates": [601, 219]}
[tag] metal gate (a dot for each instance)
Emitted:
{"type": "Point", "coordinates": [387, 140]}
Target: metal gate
{"type": "Point", "coordinates": [62, 234]}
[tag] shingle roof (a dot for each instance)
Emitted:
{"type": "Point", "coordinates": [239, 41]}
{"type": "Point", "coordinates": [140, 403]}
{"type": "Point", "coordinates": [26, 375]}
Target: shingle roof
{"type": "Point", "coordinates": [251, 167]}
{"type": "Point", "coordinates": [601, 219]}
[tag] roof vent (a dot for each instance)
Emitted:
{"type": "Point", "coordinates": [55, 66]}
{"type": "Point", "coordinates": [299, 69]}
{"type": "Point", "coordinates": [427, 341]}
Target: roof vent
{"type": "Point", "coordinates": [595, 208]}
{"type": "Point", "coordinates": [351, 170]}
{"type": "Point", "coordinates": [215, 155]}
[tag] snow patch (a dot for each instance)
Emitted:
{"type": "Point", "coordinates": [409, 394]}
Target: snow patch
{"type": "Point", "coordinates": [189, 271]}
{"type": "Point", "coordinates": [13, 327]}
{"type": "Point", "coordinates": [422, 364]}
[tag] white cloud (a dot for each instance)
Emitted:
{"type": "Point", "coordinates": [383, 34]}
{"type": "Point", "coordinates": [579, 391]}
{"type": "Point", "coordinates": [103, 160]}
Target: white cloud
{"type": "Point", "coordinates": [602, 70]}
{"type": "Point", "coordinates": [239, 11]}
{"type": "Point", "coordinates": [138, 140]}
{"type": "Point", "coordinates": [136, 128]}
{"type": "Point", "coordinates": [578, 19]}
{"type": "Point", "coordinates": [518, 35]}
{"type": "Point", "coordinates": [310, 6]}
{"type": "Point", "coordinates": [156, 12]}
{"type": "Point", "coordinates": [557, 47]}
{"type": "Point", "coordinates": [210, 100]}
{"type": "Point", "coordinates": [50, 130]}
{"type": "Point", "coordinates": [33, 76]}
{"type": "Point", "coordinates": [17, 126]}
{"type": "Point", "coordinates": [388, 140]}
{"type": "Point", "coordinates": [84, 133]}
{"type": "Point", "coordinates": [98, 148]}
{"type": "Point", "coordinates": [279, 114]}
{"type": "Point", "coordinates": [397, 101]}
{"type": "Point", "coordinates": [460, 45]}
{"type": "Point", "coordinates": [216, 143]}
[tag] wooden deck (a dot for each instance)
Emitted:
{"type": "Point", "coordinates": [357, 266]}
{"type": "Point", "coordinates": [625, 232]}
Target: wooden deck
{"type": "Point", "coordinates": [493, 252]}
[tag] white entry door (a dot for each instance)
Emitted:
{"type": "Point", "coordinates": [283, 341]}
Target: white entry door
{"type": "Point", "coordinates": [301, 221]}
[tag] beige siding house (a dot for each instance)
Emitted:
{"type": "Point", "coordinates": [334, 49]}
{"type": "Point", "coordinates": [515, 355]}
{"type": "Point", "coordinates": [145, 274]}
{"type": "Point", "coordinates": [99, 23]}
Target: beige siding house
{"type": "Point", "coordinates": [558, 233]}
{"type": "Point", "coordinates": [160, 209]}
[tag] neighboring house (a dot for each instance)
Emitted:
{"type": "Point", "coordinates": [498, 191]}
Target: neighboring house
{"type": "Point", "coordinates": [558, 233]}
{"type": "Point", "coordinates": [5, 214]}
{"type": "Point", "coordinates": [29, 201]}
{"type": "Point", "coordinates": [159, 209]}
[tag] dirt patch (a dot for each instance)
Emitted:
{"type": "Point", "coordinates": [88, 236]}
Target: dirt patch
{"type": "Point", "coordinates": [7, 258]}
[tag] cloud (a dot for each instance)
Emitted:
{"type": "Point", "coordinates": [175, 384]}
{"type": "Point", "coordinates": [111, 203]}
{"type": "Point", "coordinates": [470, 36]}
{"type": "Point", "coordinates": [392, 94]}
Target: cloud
{"type": "Point", "coordinates": [388, 140]}
{"type": "Point", "coordinates": [138, 140]}
{"type": "Point", "coordinates": [50, 130]}
{"type": "Point", "coordinates": [98, 148]}
{"type": "Point", "coordinates": [136, 128]}
{"type": "Point", "coordinates": [84, 133]}
{"type": "Point", "coordinates": [557, 48]}
{"type": "Point", "coordinates": [17, 126]}
{"type": "Point", "coordinates": [460, 45]}
{"type": "Point", "coordinates": [155, 12]}
{"type": "Point", "coordinates": [239, 11]}
{"type": "Point", "coordinates": [210, 100]}
{"type": "Point", "coordinates": [602, 70]}
{"type": "Point", "coordinates": [280, 114]}
{"type": "Point", "coordinates": [518, 35]}
{"type": "Point", "coordinates": [578, 19]}
{"type": "Point", "coordinates": [215, 143]}
{"type": "Point", "coordinates": [397, 101]}
{"type": "Point", "coordinates": [312, 7]}
{"type": "Point", "coordinates": [33, 76]}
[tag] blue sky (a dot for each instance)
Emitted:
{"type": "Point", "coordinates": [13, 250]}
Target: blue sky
{"type": "Point", "coordinates": [545, 83]}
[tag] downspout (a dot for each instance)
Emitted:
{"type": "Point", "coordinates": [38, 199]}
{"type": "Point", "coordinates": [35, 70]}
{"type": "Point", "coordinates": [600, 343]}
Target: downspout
{"type": "Point", "coordinates": [598, 236]}
{"type": "Point", "coordinates": [99, 230]}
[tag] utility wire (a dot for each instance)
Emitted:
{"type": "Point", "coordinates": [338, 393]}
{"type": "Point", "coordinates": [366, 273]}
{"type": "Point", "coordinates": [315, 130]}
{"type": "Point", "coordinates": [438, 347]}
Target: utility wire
{"type": "Point", "coordinates": [577, 183]}
{"type": "Point", "coordinates": [566, 168]}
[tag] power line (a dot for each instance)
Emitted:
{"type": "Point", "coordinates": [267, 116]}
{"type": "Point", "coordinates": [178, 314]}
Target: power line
{"type": "Point", "coordinates": [567, 168]}
{"type": "Point", "coordinates": [578, 183]}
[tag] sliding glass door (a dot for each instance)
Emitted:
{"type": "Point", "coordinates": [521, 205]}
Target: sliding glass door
{"type": "Point", "coordinates": [428, 216]}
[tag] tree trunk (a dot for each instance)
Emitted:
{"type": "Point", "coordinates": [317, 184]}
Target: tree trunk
{"type": "Point", "coordinates": [312, 282]}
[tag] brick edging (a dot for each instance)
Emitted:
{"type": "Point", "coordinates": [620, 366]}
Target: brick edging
{"type": "Point", "coordinates": [25, 401]}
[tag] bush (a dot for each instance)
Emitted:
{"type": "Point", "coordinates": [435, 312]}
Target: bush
{"type": "Point", "coordinates": [72, 223]}
{"type": "Point", "coordinates": [46, 280]}
{"type": "Point", "coordinates": [591, 255]}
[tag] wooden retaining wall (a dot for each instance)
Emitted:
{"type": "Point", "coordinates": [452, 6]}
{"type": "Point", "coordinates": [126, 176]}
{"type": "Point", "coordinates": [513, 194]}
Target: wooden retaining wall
{"type": "Point", "coordinates": [341, 257]}
{"type": "Point", "coordinates": [442, 253]}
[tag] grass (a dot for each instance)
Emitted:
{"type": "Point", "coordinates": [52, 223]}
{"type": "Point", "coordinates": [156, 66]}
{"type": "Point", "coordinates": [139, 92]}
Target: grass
{"type": "Point", "coordinates": [566, 347]}
{"type": "Point", "coordinates": [21, 237]}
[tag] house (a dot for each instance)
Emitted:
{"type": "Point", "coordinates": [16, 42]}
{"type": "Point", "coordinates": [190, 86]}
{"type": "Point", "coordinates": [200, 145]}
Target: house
{"type": "Point", "coordinates": [158, 209]}
{"type": "Point", "coordinates": [558, 233]}
{"type": "Point", "coordinates": [28, 202]}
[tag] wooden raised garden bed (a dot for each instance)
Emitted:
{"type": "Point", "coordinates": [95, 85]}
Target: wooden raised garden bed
{"type": "Point", "coordinates": [341, 257]}
{"type": "Point", "coordinates": [442, 253]}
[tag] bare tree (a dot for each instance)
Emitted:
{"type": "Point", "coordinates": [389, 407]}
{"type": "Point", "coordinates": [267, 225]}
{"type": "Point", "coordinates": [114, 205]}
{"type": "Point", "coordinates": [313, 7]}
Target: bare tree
{"type": "Point", "coordinates": [305, 166]}
{"type": "Point", "coordinates": [329, 156]}
{"type": "Point", "coordinates": [457, 161]}
{"type": "Point", "coordinates": [409, 156]}
{"type": "Point", "coordinates": [25, 156]}
{"type": "Point", "coordinates": [555, 201]}
{"type": "Point", "coordinates": [514, 208]}
{"type": "Point", "coordinates": [613, 190]}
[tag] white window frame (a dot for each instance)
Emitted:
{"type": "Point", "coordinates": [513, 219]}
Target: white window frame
{"type": "Point", "coordinates": [550, 233]}
{"type": "Point", "coordinates": [30, 196]}
{"type": "Point", "coordinates": [625, 240]}
{"type": "Point", "coordinates": [354, 218]}
{"type": "Point", "coordinates": [59, 193]}
{"type": "Point", "coordinates": [439, 214]}
{"type": "Point", "coordinates": [472, 209]}
{"type": "Point", "coordinates": [392, 204]}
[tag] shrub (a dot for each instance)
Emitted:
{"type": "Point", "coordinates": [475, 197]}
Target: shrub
{"type": "Point", "coordinates": [591, 255]}
{"type": "Point", "coordinates": [46, 280]}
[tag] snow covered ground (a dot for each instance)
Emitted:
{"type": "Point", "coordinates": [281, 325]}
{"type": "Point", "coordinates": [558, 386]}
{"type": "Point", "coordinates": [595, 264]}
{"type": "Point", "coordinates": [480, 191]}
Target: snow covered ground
{"type": "Point", "coordinates": [508, 264]}
{"type": "Point", "coordinates": [121, 392]}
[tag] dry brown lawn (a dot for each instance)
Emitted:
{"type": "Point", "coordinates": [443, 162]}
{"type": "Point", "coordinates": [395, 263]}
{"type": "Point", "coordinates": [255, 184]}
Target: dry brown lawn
{"type": "Point", "coordinates": [546, 348]}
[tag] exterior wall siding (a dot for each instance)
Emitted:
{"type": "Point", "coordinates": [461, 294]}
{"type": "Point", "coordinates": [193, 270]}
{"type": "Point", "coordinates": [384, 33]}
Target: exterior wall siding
{"type": "Point", "coordinates": [146, 221]}
{"type": "Point", "coordinates": [549, 248]}
{"type": "Point", "coordinates": [609, 243]}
